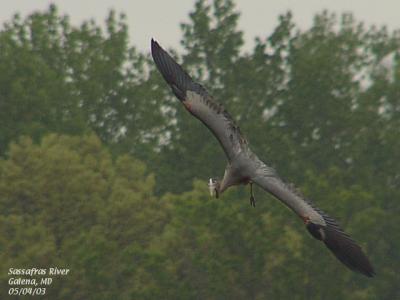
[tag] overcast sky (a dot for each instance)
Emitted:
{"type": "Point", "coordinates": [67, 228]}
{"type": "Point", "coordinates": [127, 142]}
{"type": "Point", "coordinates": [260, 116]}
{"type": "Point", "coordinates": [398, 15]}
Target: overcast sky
{"type": "Point", "coordinates": [161, 19]}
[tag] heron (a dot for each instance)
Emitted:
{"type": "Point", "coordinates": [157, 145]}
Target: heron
{"type": "Point", "coordinates": [244, 167]}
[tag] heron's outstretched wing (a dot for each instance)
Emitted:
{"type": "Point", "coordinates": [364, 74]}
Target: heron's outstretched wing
{"type": "Point", "coordinates": [198, 102]}
{"type": "Point", "coordinates": [319, 224]}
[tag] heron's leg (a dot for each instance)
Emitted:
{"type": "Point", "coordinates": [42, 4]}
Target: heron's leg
{"type": "Point", "coordinates": [252, 200]}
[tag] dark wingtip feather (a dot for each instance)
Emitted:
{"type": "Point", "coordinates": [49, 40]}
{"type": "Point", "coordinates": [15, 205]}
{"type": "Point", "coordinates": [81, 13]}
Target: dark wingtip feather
{"type": "Point", "coordinates": [154, 46]}
{"type": "Point", "coordinates": [347, 251]}
{"type": "Point", "coordinates": [342, 246]}
{"type": "Point", "coordinates": [172, 72]}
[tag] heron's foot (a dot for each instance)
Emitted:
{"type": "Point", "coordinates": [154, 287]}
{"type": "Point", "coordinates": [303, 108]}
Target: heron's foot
{"type": "Point", "coordinates": [252, 201]}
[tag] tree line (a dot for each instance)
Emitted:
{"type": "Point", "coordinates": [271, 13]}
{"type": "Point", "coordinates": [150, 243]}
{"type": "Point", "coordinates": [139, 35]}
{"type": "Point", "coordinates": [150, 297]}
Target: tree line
{"type": "Point", "coordinates": [102, 171]}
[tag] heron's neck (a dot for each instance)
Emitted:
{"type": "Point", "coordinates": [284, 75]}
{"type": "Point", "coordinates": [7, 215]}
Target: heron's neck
{"type": "Point", "coordinates": [225, 183]}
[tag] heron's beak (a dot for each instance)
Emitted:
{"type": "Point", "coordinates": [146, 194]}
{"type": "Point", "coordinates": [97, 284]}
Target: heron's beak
{"type": "Point", "coordinates": [213, 186]}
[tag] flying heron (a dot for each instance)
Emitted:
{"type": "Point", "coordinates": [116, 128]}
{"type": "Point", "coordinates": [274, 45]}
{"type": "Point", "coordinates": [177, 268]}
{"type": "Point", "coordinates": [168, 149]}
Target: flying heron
{"type": "Point", "coordinates": [244, 167]}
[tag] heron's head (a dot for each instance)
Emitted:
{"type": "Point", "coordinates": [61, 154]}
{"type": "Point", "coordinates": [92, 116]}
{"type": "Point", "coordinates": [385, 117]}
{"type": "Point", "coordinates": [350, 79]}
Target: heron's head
{"type": "Point", "coordinates": [213, 186]}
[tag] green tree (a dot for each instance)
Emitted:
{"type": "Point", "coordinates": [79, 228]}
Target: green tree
{"type": "Point", "coordinates": [66, 203]}
{"type": "Point", "coordinates": [318, 104]}
{"type": "Point", "coordinates": [65, 79]}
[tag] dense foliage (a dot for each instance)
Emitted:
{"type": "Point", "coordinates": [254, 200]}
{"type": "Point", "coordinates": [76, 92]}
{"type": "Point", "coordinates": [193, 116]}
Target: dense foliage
{"type": "Point", "coordinates": [103, 172]}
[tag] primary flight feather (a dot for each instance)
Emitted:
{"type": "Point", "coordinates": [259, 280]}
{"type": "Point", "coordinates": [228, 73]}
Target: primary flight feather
{"type": "Point", "coordinates": [244, 167]}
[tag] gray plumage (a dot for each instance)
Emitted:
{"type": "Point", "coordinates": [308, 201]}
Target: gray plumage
{"type": "Point", "coordinates": [245, 167]}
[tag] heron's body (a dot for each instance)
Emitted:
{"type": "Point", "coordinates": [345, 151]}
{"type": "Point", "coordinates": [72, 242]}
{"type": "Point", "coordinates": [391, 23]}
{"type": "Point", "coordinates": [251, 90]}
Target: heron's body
{"type": "Point", "coordinates": [245, 167]}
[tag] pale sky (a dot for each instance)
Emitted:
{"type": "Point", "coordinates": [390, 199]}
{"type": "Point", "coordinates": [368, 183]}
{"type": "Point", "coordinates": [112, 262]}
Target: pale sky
{"type": "Point", "coordinates": [161, 19]}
